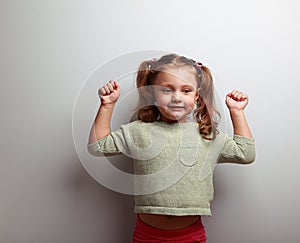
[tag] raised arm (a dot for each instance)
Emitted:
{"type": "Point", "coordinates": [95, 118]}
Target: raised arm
{"type": "Point", "coordinates": [109, 95]}
{"type": "Point", "coordinates": [236, 102]}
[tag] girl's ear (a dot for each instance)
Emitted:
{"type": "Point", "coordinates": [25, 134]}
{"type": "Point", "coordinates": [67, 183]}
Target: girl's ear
{"type": "Point", "coordinates": [197, 95]}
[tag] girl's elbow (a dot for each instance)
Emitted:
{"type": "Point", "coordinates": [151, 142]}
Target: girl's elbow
{"type": "Point", "coordinates": [249, 158]}
{"type": "Point", "coordinates": [94, 152]}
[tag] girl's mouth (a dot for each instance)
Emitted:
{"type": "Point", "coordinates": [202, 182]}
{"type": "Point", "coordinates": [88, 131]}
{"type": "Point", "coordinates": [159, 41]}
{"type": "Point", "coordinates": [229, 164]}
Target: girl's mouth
{"type": "Point", "coordinates": [175, 108]}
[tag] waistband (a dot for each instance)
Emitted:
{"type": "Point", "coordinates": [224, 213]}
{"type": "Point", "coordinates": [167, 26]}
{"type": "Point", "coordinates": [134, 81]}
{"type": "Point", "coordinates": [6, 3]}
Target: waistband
{"type": "Point", "coordinates": [196, 229]}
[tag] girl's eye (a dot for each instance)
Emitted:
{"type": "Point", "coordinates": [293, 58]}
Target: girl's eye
{"type": "Point", "coordinates": [166, 90]}
{"type": "Point", "coordinates": [186, 91]}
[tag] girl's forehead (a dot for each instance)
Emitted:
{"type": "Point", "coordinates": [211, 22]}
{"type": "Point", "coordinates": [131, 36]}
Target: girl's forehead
{"type": "Point", "coordinates": [186, 75]}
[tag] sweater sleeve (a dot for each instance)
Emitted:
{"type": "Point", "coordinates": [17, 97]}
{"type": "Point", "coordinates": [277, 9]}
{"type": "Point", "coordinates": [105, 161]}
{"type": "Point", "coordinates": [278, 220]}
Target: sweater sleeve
{"type": "Point", "coordinates": [238, 149]}
{"type": "Point", "coordinates": [137, 140]}
{"type": "Point", "coordinates": [113, 143]}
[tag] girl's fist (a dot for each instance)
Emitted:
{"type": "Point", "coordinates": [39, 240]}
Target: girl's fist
{"type": "Point", "coordinates": [109, 93]}
{"type": "Point", "coordinates": [236, 100]}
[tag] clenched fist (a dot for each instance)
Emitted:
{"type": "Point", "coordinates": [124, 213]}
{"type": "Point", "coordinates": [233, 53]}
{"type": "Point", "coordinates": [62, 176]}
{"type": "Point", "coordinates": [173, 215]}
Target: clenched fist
{"type": "Point", "coordinates": [109, 93]}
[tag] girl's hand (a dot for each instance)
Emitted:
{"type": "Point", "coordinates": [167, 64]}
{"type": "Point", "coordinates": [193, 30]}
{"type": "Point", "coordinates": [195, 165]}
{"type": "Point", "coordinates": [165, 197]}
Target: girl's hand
{"type": "Point", "coordinates": [109, 93]}
{"type": "Point", "coordinates": [236, 100]}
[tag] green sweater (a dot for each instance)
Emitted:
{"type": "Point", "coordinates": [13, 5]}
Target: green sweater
{"type": "Point", "coordinates": [173, 164]}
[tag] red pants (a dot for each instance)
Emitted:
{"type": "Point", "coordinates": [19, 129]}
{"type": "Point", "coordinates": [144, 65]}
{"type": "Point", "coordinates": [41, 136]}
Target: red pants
{"type": "Point", "coordinates": [145, 233]}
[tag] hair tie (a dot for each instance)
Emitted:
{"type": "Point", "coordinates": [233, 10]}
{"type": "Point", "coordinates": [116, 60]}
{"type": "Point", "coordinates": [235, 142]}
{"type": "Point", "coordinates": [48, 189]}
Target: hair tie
{"type": "Point", "coordinates": [199, 64]}
{"type": "Point", "coordinates": [152, 62]}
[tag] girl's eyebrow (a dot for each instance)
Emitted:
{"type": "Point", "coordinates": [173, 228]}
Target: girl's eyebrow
{"type": "Point", "coordinates": [172, 84]}
{"type": "Point", "coordinates": [164, 85]}
{"type": "Point", "coordinates": [188, 85]}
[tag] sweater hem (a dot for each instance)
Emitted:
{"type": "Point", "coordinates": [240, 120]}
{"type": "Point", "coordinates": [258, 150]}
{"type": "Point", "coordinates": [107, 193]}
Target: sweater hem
{"type": "Point", "coordinates": [172, 211]}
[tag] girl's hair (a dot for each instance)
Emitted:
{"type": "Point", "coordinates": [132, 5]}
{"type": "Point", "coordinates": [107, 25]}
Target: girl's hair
{"type": "Point", "coordinates": [205, 113]}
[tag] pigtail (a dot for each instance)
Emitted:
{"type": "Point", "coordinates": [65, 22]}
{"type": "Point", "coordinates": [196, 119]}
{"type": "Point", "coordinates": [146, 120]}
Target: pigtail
{"type": "Point", "coordinates": [206, 114]}
{"type": "Point", "coordinates": [147, 111]}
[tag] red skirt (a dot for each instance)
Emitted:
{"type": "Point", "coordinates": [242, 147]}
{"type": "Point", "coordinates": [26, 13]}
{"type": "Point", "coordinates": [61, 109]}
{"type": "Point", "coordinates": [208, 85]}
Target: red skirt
{"type": "Point", "coordinates": [145, 233]}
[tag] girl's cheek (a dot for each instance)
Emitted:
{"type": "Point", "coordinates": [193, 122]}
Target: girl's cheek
{"type": "Point", "coordinates": [163, 98]}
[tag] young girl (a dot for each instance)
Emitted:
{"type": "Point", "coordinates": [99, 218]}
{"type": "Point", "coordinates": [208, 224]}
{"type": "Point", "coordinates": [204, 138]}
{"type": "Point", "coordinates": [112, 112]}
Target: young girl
{"type": "Point", "coordinates": [169, 205]}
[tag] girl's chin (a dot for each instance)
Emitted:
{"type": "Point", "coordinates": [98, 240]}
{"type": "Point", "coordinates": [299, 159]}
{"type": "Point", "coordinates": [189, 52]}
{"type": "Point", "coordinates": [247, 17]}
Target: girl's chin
{"type": "Point", "coordinates": [173, 119]}
{"type": "Point", "coordinates": [173, 115]}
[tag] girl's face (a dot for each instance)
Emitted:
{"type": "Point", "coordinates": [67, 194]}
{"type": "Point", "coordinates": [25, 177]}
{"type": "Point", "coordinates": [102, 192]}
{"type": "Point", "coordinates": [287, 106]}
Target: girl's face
{"type": "Point", "coordinates": [175, 93]}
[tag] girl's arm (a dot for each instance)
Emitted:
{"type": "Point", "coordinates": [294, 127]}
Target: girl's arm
{"type": "Point", "coordinates": [236, 102]}
{"type": "Point", "coordinates": [109, 95]}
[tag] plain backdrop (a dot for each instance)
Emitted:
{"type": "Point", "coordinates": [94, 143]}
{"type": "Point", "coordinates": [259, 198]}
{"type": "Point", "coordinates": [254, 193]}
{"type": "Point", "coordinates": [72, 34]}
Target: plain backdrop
{"type": "Point", "coordinates": [48, 49]}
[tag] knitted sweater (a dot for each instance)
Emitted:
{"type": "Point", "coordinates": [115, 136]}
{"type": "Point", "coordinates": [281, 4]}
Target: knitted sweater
{"type": "Point", "coordinates": [173, 164]}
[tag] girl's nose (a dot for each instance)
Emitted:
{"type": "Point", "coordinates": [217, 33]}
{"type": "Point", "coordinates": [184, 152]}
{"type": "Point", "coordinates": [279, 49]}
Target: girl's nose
{"type": "Point", "coordinates": [176, 97]}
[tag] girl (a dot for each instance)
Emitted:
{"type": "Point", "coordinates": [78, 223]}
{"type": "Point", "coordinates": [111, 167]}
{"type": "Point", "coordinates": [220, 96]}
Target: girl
{"type": "Point", "coordinates": [169, 205]}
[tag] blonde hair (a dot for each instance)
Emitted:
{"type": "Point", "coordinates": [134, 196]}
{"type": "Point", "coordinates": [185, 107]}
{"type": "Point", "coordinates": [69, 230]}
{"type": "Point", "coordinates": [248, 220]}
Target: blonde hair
{"type": "Point", "coordinates": [205, 113]}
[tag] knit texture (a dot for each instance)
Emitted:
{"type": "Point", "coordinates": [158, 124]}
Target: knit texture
{"type": "Point", "coordinates": [173, 164]}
